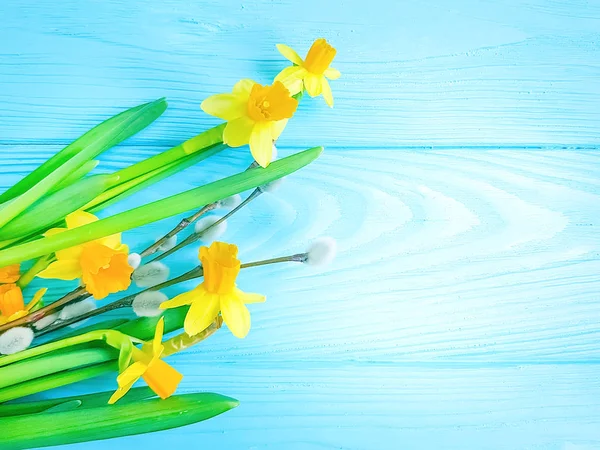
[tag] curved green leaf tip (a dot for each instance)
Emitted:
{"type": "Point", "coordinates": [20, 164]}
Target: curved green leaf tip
{"type": "Point", "coordinates": [71, 426]}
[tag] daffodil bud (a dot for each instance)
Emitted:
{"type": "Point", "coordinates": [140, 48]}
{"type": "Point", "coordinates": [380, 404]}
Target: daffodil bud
{"type": "Point", "coordinates": [77, 309]}
{"type": "Point", "coordinates": [147, 304]}
{"type": "Point", "coordinates": [15, 340]}
{"type": "Point", "coordinates": [151, 274]}
{"type": "Point", "coordinates": [207, 232]}
{"type": "Point", "coordinates": [272, 186]}
{"type": "Point", "coordinates": [230, 202]}
{"type": "Point", "coordinates": [168, 244]}
{"type": "Point", "coordinates": [321, 252]}
{"type": "Point", "coordinates": [134, 260]}
{"type": "Point", "coordinates": [45, 321]}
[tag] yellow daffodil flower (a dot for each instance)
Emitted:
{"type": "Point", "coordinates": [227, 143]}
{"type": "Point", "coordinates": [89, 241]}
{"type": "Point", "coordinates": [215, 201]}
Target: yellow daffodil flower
{"type": "Point", "coordinates": [310, 73]}
{"type": "Point", "coordinates": [12, 304]}
{"type": "Point", "coordinates": [217, 293]}
{"type": "Point", "coordinates": [101, 264]}
{"type": "Point", "coordinates": [10, 274]}
{"type": "Point", "coordinates": [160, 377]}
{"type": "Point", "coordinates": [255, 115]}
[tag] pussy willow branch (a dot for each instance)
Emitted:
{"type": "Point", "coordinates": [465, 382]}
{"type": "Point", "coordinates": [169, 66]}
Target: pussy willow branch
{"type": "Point", "coordinates": [196, 236]}
{"type": "Point", "coordinates": [78, 294]}
{"type": "Point", "coordinates": [186, 222]}
{"type": "Point", "coordinates": [196, 272]}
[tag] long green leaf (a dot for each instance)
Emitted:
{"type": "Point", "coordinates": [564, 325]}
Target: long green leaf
{"type": "Point", "coordinates": [104, 131]}
{"type": "Point", "coordinates": [54, 362]}
{"type": "Point", "coordinates": [111, 421]}
{"type": "Point", "coordinates": [54, 207]}
{"type": "Point", "coordinates": [76, 176]}
{"type": "Point", "coordinates": [86, 148]}
{"type": "Point", "coordinates": [85, 401]}
{"type": "Point", "coordinates": [124, 190]}
{"type": "Point", "coordinates": [56, 380]}
{"type": "Point", "coordinates": [160, 209]}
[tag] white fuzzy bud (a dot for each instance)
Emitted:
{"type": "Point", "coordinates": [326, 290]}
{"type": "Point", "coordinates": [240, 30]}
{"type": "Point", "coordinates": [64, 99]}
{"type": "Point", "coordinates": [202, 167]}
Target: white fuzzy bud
{"type": "Point", "coordinates": [230, 202]}
{"type": "Point", "coordinates": [45, 321]}
{"type": "Point", "coordinates": [15, 340]}
{"type": "Point", "coordinates": [321, 252]}
{"type": "Point", "coordinates": [168, 244]}
{"type": "Point", "coordinates": [214, 232]}
{"type": "Point", "coordinates": [134, 260]}
{"type": "Point", "coordinates": [147, 304]}
{"type": "Point", "coordinates": [77, 309]}
{"type": "Point", "coordinates": [272, 186]}
{"type": "Point", "coordinates": [150, 274]}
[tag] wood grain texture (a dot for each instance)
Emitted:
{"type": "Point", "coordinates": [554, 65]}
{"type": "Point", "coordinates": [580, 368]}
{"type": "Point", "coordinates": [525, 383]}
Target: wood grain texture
{"type": "Point", "coordinates": [462, 312]}
{"type": "Point", "coordinates": [415, 72]}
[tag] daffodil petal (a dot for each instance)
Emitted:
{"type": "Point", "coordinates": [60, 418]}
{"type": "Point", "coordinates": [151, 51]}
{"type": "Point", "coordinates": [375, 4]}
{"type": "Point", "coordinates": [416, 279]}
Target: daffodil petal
{"type": "Point", "coordinates": [64, 269]}
{"type": "Point", "coordinates": [162, 378]}
{"type": "Point", "coordinates": [235, 315]}
{"type": "Point", "coordinates": [201, 314]}
{"type": "Point", "coordinates": [277, 128]}
{"type": "Point", "coordinates": [70, 253]}
{"type": "Point", "coordinates": [113, 241]}
{"type": "Point", "coordinates": [225, 106]}
{"type": "Point", "coordinates": [237, 132]}
{"type": "Point", "coordinates": [291, 77]}
{"type": "Point", "coordinates": [332, 74]}
{"type": "Point", "coordinates": [261, 143]}
{"type": "Point", "coordinates": [131, 374]}
{"type": "Point", "coordinates": [181, 300]}
{"type": "Point", "coordinates": [312, 83]}
{"type": "Point", "coordinates": [290, 54]}
{"type": "Point", "coordinates": [243, 87]}
{"type": "Point", "coordinates": [36, 298]}
{"type": "Point", "coordinates": [79, 219]}
{"type": "Point", "coordinates": [327, 95]}
{"type": "Point", "coordinates": [54, 231]}
{"type": "Point", "coordinates": [158, 335]}
{"type": "Point", "coordinates": [248, 297]}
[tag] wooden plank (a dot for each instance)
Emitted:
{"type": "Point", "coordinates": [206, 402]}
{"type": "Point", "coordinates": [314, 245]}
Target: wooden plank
{"type": "Point", "coordinates": [361, 406]}
{"type": "Point", "coordinates": [416, 73]}
{"type": "Point", "coordinates": [476, 255]}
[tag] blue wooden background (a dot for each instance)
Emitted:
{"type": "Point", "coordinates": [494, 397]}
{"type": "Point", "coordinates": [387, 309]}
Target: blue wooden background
{"type": "Point", "coordinates": [460, 178]}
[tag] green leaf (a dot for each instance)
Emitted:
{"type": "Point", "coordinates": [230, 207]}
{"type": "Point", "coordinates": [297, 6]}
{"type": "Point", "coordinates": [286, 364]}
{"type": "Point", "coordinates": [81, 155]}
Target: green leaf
{"type": "Point", "coordinates": [111, 421]}
{"type": "Point", "coordinates": [53, 381]}
{"type": "Point", "coordinates": [124, 190]}
{"type": "Point", "coordinates": [143, 328]}
{"type": "Point", "coordinates": [54, 207]}
{"type": "Point", "coordinates": [70, 159]}
{"type": "Point", "coordinates": [104, 325]}
{"type": "Point", "coordinates": [160, 209]}
{"type": "Point", "coordinates": [85, 401]}
{"type": "Point", "coordinates": [66, 406]}
{"type": "Point", "coordinates": [57, 361]}
{"type": "Point", "coordinates": [76, 175]}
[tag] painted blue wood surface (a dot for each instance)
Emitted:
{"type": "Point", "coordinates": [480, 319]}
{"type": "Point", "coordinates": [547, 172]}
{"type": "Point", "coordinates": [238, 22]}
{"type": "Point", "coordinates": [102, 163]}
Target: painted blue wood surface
{"type": "Point", "coordinates": [463, 310]}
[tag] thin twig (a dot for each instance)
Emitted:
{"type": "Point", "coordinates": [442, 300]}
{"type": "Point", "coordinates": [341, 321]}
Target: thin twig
{"type": "Point", "coordinates": [196, 236]}
{"type": "Point", "coordinates": [196, 272]}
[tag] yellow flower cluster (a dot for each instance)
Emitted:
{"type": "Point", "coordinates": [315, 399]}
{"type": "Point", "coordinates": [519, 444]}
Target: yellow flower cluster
{"type": "Point", "coordinates": [257, 115]}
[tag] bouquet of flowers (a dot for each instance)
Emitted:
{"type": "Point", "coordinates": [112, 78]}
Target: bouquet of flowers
{"type": "Point", "coordinates": [49, 230]}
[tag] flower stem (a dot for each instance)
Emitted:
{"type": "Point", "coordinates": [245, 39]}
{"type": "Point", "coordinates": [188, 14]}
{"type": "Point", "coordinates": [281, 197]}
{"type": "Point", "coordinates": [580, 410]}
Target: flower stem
{"type": "Point", "coordinates": [37, 267]}
{"type": "Point", "coordinates": [184, 341]}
